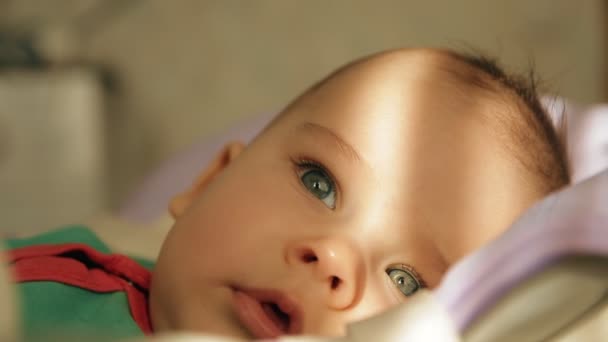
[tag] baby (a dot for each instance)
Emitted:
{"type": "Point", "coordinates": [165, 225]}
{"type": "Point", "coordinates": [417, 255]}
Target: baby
{"type": "Point", "coordinates": [365, 189]}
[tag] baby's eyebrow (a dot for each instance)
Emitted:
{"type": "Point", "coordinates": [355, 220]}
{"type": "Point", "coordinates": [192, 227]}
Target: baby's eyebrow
{"type": "Point", "coordinates": [327, 134]}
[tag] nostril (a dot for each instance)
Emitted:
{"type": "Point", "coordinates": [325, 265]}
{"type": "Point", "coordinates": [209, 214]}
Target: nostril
{"type": "Point", "coordinates": [308, 257]}
{"type": "Point", "coordinates": [335, 282]}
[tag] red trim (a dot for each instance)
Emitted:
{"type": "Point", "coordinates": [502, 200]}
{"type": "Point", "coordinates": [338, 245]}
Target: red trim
{"type": "Point", "coordinates": [113, 272]}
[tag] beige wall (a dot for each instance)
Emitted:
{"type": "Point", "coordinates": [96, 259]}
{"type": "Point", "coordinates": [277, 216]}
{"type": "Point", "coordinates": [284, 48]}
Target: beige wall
{"type": "Point", "coordinates": [189, 68]}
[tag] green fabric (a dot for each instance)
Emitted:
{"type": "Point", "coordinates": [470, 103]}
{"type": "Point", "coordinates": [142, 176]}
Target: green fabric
{"type": "Point", "coordinates": [55, 309]}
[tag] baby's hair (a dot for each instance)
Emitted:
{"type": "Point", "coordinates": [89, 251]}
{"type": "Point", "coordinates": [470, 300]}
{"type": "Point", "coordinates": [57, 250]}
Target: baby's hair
{"type": "Point", "coordinates": [538, 148]}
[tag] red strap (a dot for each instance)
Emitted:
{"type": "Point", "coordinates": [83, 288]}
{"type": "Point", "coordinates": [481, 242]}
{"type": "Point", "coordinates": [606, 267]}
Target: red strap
{"type": "Point", "coordinates": [112, 272]}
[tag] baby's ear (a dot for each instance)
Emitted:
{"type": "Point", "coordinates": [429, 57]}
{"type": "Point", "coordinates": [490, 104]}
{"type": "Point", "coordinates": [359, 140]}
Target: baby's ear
{"type": "Point", "coordinates": [182, 201]}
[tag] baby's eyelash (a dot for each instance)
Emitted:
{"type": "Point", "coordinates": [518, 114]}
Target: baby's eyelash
{"type": "Point", "coordinates": [305, 163]}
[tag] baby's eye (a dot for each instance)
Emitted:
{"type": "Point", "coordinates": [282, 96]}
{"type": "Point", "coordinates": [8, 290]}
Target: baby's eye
{"type": "Point", "coordinates": [317, 182]}
{"type": "Point", "coordinates": [406, 281]}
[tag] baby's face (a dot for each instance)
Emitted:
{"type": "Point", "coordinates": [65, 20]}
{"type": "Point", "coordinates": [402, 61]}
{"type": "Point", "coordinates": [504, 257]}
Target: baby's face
{"type": "Point", "coordinates": [367, 190]}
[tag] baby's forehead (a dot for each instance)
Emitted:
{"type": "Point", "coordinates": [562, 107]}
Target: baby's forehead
{"type": "Point", "coordinates": [433, 89]}
{"type": "Point", "coordinates": [391, 90]}
{"type": "Point", "coordinates": [441, 88]}
{"type": "Point", "coordinates": [423, 73]}
{"type": "Point", "coordinates": [390, 100]}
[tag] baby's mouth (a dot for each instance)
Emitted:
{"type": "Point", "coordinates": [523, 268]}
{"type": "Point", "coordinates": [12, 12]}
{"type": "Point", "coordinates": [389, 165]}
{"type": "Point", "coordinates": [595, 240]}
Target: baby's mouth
{"type": "Point", "coordinates": [266, 313]}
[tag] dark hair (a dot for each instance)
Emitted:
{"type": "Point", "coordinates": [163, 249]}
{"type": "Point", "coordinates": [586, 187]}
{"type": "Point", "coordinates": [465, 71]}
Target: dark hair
{"type": "Point", "coordinates": [540, 149]}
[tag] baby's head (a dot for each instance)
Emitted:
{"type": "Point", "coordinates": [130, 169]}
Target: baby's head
{"type": "Point", "coordinates": [365, 189]}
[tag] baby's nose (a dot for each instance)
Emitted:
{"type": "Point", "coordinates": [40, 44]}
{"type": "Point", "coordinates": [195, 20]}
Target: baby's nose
{"type": "Point", "coordinates": [333, 264]}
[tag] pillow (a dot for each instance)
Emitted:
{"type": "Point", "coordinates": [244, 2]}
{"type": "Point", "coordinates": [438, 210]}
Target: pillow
{"type": "Point", "coordinates": [563, 228]}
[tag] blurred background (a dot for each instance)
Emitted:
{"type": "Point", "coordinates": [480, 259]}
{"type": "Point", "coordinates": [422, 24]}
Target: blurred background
{"type": "Point", "coordinates": [96, 94]}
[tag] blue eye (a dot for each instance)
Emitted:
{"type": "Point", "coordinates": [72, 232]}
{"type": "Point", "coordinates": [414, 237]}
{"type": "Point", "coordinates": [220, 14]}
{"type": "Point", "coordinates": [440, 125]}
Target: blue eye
{"type": "Point", "coordinates": [318, 183]}
{"type": "Point", "coordinates": [406, 281]}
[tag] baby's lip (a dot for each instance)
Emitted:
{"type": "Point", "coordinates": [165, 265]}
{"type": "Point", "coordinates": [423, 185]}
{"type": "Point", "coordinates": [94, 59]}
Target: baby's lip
{"type": "Point", "coordinates": [267, 313]}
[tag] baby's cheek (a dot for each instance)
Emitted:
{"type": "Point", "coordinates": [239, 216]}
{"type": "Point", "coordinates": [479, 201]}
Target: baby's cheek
{"type": "Point", "coordinates": [376, 299]}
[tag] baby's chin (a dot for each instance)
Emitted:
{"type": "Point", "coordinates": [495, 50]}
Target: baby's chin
{"type": "Point", "coordinates": [220, 327]}
{"type": "Point", "coordinates": [207, 323]}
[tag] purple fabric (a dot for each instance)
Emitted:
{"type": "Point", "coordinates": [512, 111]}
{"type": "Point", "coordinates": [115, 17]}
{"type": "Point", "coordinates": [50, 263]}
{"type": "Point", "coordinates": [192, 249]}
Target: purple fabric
{"type": "Point", "coordinates": [571, 222]}
{"type": "Point", "coordinates": [588, 141]}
